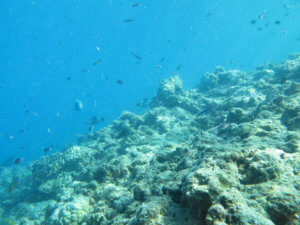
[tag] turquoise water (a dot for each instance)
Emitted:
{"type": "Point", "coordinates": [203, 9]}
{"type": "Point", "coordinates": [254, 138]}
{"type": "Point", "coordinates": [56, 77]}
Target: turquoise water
{"type": "Point", "coordinates": [48, 50]}
{"type": "Point", "coordinates": [149, 112]}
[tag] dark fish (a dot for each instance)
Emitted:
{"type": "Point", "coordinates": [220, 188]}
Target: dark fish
{"type": "Point", "coordinates": [97, 61]}
{"type": "Point", "coordinates": [69, 78]}
{"type": "Point", "coordinates": [27, 111]}
{"type": "Point", "coordinates": [48, 149]}
{"type": "Point", "coordinates": [13, 186]}
{"type": "Point", "coordinates": [91, 128]}
{"type": "Point", "coordinates": [277, 22]}
{"type": "Point", "coordinates": [22, 131]}
{"type": "Point", "coordinates": [102, 119]}
{"type": "Point", "coordinates": [136, 56]}
{"type": "Point", "coordinates": [93, 121]}
{"type": "Point", "coordinates": [202, 112]}
{"type": "Point", "coordinates": [208, 14]}
{"type": "Point", "coordinates": [143, 103]}
{"type": "Point", "coordinates": [253, 22]}
{"type": "Point", "coordinates": [135, 4]}
{"type": "Point", "coordinates": [179, 66]}
{"type": "Point", "coordinates": [18, 161]}
{"type": "Point", "coordinates": [119, 82]}
{"type": "Point", "coordinates": [84, 71]}
{"type": "Point", "coordinates": [128, 20]}
{"type": "Point", "coordinates": [78, 106]}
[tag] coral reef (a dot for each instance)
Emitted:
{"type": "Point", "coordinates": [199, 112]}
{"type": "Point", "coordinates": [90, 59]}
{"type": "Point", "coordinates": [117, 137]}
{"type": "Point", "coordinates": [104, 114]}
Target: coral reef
{"type": "Point", "coordinates": [225, 153]}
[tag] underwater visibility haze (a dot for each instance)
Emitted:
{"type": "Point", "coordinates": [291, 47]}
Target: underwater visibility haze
{"type": "Point", "coordinates": [149, 112]}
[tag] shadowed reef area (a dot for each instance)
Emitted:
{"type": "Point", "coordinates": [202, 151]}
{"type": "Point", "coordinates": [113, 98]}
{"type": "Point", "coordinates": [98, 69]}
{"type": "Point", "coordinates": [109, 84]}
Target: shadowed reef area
{"type": "Point", "coordinates": [224, 153]}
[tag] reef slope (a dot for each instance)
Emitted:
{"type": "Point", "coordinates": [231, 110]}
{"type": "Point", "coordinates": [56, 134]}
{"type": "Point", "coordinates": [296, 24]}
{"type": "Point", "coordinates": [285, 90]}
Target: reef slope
{"type": "Point", "coordinates": [225, 153]}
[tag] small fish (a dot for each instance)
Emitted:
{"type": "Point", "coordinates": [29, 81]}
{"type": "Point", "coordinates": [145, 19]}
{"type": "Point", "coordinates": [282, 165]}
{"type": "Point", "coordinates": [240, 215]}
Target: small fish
{"type": "Point", "coordinates": [48, 149]}
{"type": "Point", "coordinates": [208, 14]}
{"type": "Point", "coordinates": [27, 111]}
{"type": "Point", "coordinates": [143, 103]}
{"type": "Point", "coordinates": [9, 137]}
{"type": "Point", "coordinates": [84, 71]}
{"type": "Point", "coordinates": [91, 128]}
{"type": "Point", "coordinates": [97, 61]}
{"type": "Point", "coordinates": [136, 56]}
{"type": "Point", "coordinates": [262, 16]}
{"type": "Point", "coordinates": [18, 161]}
{"type": "Point", "coordinates": [119, 82]}
{"type": "Point", "coordinates": [179, 66]}
{"type": "Point", "coordinates": [277, 22]}
{"type": "Point", "coordinates": [102, 119]}
{"type": "Point", "coordinates": [93, 121]}
{"type": "Point", "coordinates": [22, 131]}
{"type": "Point", "coordinates": [128, 20]}
{"type": "Point", "coordinates": [13, 186]}
{"type": "Point", "coordinates": [253, 21]}
{"type": "Point", "coordinates": [202, 112]}
{"type": "Point", "coordinates": [158, 66]}
{"type": "Point", "coordinates": [223, 125]}
{"type": "Point", "coordinates": [78, 106]}
{"type": "Point", "coordinates": [135, 5]}
{"type": "Point", "coordinates": [286, 6]}
{"type": "Point", "coordinates": [69, 78]}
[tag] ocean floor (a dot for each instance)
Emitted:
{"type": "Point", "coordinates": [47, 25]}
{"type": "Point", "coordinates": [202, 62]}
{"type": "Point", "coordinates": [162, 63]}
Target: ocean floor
{"type": "Point", "coordinates": [224, 153]}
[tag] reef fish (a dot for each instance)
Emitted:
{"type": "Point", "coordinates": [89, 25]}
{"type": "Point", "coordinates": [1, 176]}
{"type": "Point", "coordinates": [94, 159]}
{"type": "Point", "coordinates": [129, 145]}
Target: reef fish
{"type": "Point", "coordinates": [18, 161]}
{"type": "Point", "coordinates": [179, 66]}
{"type": "Point", "coordinates": [13, 186]}
{"type": "Point", "coordinates": [128, 20]}
{"type": "Point", "coordinates": [78, 106]}
{"type": "Point", "coordinates": [48, 149]}
{"type": "Point", "coordinates": [119, 82]}
{"type": "Point", "coordinates": [97, 61]}
{"type": "Point", "coordinates": [93, 121]}
{"type": "Point", "coordinates": [202, 112]}
{"type": "Point", "coordinates": [136, 56]}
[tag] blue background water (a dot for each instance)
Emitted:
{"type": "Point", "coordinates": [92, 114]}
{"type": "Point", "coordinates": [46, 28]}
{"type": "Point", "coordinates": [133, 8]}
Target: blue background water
{"type": "Point", "coordinates": [44, 42]}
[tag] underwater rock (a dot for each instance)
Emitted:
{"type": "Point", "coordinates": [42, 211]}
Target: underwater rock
{"type": "Point", "coordinates": [74, 212]}
{"type": "Point", "coordinates": [169, 92]}
{"type": "Point", "coordinates": [226, 153]}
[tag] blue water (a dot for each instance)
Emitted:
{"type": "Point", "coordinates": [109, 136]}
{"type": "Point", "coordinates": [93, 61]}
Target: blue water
{"type": "Point", "coordinates": [48, 49]}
